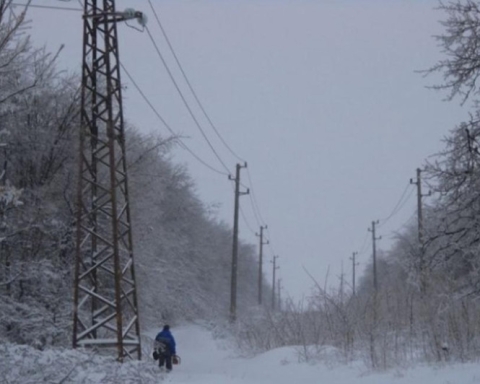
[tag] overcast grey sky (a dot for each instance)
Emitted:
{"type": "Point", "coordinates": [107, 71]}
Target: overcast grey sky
{"type": "Point", "coordinates": [320, 97]}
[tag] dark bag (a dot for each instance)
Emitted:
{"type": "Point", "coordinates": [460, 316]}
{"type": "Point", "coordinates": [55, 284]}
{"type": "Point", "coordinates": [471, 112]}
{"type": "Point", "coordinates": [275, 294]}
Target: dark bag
{"type": "Point", "coordinates": [156, 356]}
{"type": "Point", "coordinates": [176, 359]}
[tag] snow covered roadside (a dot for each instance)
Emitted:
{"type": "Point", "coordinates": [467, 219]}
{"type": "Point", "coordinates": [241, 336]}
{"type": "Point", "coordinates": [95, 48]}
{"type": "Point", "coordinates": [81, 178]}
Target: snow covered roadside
{"type": "Point", "coordinates": [21, 364]}
{"type": "Point", "coordinates": [205, 361]}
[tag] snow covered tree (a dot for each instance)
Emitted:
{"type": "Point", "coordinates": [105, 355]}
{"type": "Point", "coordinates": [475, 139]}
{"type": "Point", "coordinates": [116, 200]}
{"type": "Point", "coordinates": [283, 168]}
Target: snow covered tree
{"type": "Point", "coordinates": [461, 66]}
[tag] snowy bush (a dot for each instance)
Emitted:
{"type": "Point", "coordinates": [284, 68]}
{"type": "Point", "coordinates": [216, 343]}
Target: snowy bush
{"type": "Point", "coordinates": [26, 365]}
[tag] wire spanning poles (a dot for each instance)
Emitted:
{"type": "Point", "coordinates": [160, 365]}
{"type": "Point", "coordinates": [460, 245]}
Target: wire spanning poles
{"type": "Point", "coordinates": [105, 292]}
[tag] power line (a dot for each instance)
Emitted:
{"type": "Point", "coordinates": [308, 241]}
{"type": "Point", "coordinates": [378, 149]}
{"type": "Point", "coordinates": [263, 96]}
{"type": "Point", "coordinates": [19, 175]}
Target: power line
{"type": "Point", "coordinates": [363, 248]}
{"type": "Point", "coordinates": [272, 250]}
{"type": "Point", "coordinates": [68, 1]}
{"type": "Point", "coordinates": [46, 7]}
{"type": "Point", "coordinates": [257, 219]}
{"type": "Point", "coordinates": [254, 203]}
{"type": "Point", "coordinates": [400, 204]}
{"type": "Point", "coordinates": [185, 101]}
{"type": "Point", "coordinates": [408, 220]}
{"type": "Point", "coordinates": [404, 202]}
{"type": "Point", "coordinates": [190, 85]}
{"type": "Point", "coordinates": [254, 209]}
{"type": "Point", "coordinates": [254, 198]}
{"type": "Point", "coordinates": [246, 221]}
{"type": "Point", "coordinates": [145, 98]}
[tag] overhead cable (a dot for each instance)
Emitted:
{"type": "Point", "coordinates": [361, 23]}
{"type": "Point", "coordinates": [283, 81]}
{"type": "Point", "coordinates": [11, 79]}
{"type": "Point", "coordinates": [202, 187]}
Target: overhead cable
{"type": "Point", "coordinates": [254, 198]}
{"type": "Point", "coordinates": [159, 53]}
{"type": "Point", "coordinates": [272, 250]}
{"type": "Point", "coordinates": [166, 124]}
{"type": "Point", "coordinates": [255, 214]}
{"type": "Point", "coordinates": [190, 85]}
{"type": "Point", "coordinates": [46, 7]}
{"type": "Point", "coordinates": [364, 245]}
{"type": "Point", "coordinates": [245, 220]}
{"type": "Point", "coordinates": [400, 204]}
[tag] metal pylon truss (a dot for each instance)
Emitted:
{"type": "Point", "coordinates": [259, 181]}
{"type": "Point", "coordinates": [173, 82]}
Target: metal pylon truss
{"type": "Point", "coordinates": [105, 294]}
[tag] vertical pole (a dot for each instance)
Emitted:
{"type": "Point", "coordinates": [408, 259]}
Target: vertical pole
{"type": "Point", "coordinates": [233, 280]}
{"type": "Point", "coordinates": [260, 265]}
{"type": "Point", "coordinates": [373, 354]}
{"type": "Point", "coordinates": [421, 248]}
{"type": "Point", "coordinates": [279, 281]}
{"type": "Point", "coordinates": [420, 231]}
{"type": "Point", "coordinates": [419, 202]}
{"type": "Point", "coordinates": [341, 283]}
{"type": "Point", "coordinates": [374, 243]}
{"type": "Point", "coordinates": [260, 262]}
{"type": "Point", "coordinates": [274, 261]}
{"type": "Point", "coordinates": [354, 265]}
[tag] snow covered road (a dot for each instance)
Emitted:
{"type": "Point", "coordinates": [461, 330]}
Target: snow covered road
{"type": "Point", "coordinates": [205, 362]}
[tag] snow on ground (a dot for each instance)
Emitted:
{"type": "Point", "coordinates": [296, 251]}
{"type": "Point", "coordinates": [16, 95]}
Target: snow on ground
{"type": "Point", "coordinates": [206, 361]}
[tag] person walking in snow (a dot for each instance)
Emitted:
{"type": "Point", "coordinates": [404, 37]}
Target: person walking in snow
{"type": "Point", "coordinates": [165, 347]}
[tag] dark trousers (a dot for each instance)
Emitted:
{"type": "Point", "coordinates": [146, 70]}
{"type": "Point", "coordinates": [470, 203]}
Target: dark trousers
{"type": "Point", "coordinates": [165, 359]}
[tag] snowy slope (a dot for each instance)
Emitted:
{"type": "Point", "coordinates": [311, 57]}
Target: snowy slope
{"type": "Point", "coordinates": [204, 362]}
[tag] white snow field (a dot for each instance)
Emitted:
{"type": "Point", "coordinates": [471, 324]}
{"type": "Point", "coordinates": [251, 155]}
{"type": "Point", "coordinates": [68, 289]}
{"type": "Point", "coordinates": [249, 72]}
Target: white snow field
{"type": "Point", "coordinates": [206, 361]}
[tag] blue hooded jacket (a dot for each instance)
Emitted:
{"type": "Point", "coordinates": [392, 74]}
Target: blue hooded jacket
{"type": "Point", "coordinates": [167, 338]}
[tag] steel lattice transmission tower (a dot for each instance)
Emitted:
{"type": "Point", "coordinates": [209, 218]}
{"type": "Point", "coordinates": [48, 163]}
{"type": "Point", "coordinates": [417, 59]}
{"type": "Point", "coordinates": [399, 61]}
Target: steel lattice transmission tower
{"type": "Point", "coordinates": [105, 292]}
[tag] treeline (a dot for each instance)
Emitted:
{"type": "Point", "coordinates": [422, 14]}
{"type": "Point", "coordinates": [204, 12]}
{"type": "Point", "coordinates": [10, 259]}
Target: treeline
{"type": "Point", "coordinates": [427, 306]}
{"type": "Point", "coordinates": [182, 251]}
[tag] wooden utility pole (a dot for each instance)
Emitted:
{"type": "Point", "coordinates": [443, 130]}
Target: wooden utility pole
{"type": "Point", "coordinates": [354, 266]}
{"type": "Point", "coordinates": [274, 262]}
{"type": "Point", "coordinates": [421, 244]}
{"type": "Point", "coordinates": [233, 280]}
{"type": "Point", "coordinates": [374, 244]}
{"type": "Point", "coordinates": [105, 309]}
{"type": "Point", "coordinates": [279, 282]}
{"type": "Point", "coordinates": [341, 283]}
{"type": "Point", "coordinates": [260, 264]}
{"type": "Point", "coordinates": [373, 354]}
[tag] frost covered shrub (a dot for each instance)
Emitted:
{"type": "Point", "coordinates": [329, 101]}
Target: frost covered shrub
{"type": "Point", "coordinates": [259, 330]}
{"type": "Point", "coordinates": [26, 365]}
{"type": "Point", "coordinates": [29, 323]}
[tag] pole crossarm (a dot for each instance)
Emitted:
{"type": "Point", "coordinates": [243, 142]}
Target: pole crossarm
{"type": "Point", "coordinates": [105, 293]}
